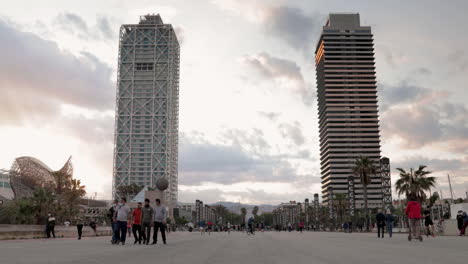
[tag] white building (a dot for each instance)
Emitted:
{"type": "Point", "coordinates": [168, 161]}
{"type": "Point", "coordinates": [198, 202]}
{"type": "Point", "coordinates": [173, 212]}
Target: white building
{"type": "Point", "coordinates": [147, 110]}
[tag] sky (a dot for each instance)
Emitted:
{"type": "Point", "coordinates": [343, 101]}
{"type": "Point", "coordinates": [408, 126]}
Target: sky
{"type": "Point", "coordinates": [248, 108]}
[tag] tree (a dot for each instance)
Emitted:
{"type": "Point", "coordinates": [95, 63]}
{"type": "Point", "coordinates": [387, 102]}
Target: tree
{"type": "Point", "coordinates": [267, 218]}
{"type": "Point", "coordinates": [364, 168]}
{"type": "Point", "coordinates": [243, 214]}
{"type": "Point", "coordinates": [129, 191]}
{"type": "Point", "coordinates": [221, 211]}
{"type": "Point", "coordinates": [340, 202]}
{"type": "Point", "coordinates": [255, 211]}
{"type": "Point", "coordinates": [415, 182]}
{"type": "Point", "coordinates": [434, 197]}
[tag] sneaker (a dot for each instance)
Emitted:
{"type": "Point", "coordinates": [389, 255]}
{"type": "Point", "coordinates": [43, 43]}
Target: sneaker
{"type": "Point", "coordinates": [154, 243]}
{"type": "Point", "coordinates": [135, 242]}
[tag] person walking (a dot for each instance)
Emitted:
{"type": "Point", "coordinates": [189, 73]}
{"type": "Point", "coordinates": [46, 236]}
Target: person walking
{"type": "Point", "coordinates": [201, 226]}
{"type": "Point", "coordinates": [136, 219]}
{"type": "Point", "coordinates": [465, 224]}
{"type": "Point", "coordinates": [79, 226]}
{"type": "Point", "coordinates": [301, 226]}
{"type": "Point", "coordinates": [428, 222]}
{"type": "Point", "coordinates": [250, 224]}
{"type": "Point", "coordinates": [93, 226]}
{"type": "Point", "coordinates": [380, 221]}
{"type": "Point", "coordinates": [130, 223]}
{"type": "Point", "coordinates": [413, 211]}
{"type": "Point", "coordinates": [160, 215]}
{"type": "Point", "coordinates": [460, 220]}
{"type": "Point", "coordinates": [389, 222]}
{"type": "Point", "coordinates": [114, 225]}
{"type": "Point", "coordinates": [50, 225]}
{"type": "Point", "coordinates": [122, 216]}
{"type": "Point", "coordinates": [228, 227]}
{"type": "Point", "coordinates": [147, 215]}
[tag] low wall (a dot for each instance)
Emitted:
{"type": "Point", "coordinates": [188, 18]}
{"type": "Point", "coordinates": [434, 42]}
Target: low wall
{"type": "Point", "coordinates": [38, 231]}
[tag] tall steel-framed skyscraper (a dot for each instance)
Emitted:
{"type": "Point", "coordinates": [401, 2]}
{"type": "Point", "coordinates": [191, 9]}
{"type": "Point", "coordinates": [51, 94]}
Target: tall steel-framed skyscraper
{"type": "Point", "coordinates": [347, 106]}
{"type": "Point", "coordinates": [147, 110]}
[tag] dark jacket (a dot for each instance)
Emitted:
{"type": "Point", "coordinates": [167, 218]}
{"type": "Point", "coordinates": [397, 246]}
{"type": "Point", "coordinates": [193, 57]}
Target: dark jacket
{"type": "Point", "coordinates": [380, 217]}
{"type": "Point", "coordinates": [389, 218]}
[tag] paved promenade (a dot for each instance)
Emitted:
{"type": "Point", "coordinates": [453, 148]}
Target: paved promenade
{"type": "Point", "coordinates": [268, 247]}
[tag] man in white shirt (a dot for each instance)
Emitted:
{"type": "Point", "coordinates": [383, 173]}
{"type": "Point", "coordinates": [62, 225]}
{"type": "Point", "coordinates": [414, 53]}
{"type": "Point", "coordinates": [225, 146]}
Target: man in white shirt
{"type": "Point", "coordinates": [160, 215]}
{"type": "Point", "coordinates": [121, 215]}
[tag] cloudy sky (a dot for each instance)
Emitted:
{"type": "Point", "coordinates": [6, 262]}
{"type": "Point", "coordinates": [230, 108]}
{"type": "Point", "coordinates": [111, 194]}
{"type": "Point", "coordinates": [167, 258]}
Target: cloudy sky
{"type": "Point", "coordinates": [248, 110]}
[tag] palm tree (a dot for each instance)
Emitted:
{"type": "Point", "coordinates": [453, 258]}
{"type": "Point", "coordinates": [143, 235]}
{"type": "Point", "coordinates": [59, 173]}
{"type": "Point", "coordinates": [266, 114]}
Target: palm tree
{"type": "Point", "coordinates": [340, 201]}
{"type": "Point", "coordinates": [255, 211]}
{"type": "Point", "coordinates": [364, 168]}
{"type": "Point", "coordinates": [415, 182]}
{"type": "Point", "coordinates": [243, 214]}
{"type": "Point", "coordinates": [221, 211]}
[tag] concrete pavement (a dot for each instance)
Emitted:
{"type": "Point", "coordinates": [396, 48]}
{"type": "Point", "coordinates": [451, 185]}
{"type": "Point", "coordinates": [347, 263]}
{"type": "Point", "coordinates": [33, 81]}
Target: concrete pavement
{"type": "Point", "coordinates": [268, 247]}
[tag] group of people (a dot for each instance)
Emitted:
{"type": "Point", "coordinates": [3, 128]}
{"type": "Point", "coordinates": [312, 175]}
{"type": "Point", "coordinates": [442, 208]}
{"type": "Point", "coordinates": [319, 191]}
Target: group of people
{"type": "Point", "coordinates": [51, 221]}
{"type": "Point", "coordinates": [143, 219]}
{"type": "Point", "coordinates": [208, 227]}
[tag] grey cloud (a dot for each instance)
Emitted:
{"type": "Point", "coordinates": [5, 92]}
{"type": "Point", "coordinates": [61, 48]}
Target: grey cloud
{"type": "Point", "coordinates": [207, 196]}
{"type": "Point", "coordinates": [423, 71]}
{"type": "Point", "coordinates": [72, 22]}
{"type": "Point", "coordinates": [428, 123]}
{"type": "Point", "coordinates": [98, 129]}
{"type": "Point", "coordinates": [399, 94]}
{"type": "Point", "coordinates": [293, 132]}
{"type": "Point", "coordinates": [277, 69]}
{"type": "Point", "coordinates": [75, 24]}
{"type": "Point", "coordinates": [457, 60]}
{"type": "Point", "coordinates": [35, 74]}
{"type": "Point", "coordinates": [296, 28]}
{"type": "Point", "coordinates": [434, 165]}
{"type": "Point", "coordinates": [180, 33]}
{"type": "Point", "coordinates": [214, 195]}
{"type": "Point", "coordinates": [272, 67]}
{"type": "Point", "coordinates": [226, 164]}
{"type": "Point", "coordinates": [418, 126]}
{"type": "Point", "coordinates": [272, 116]}
{"type": "Point", "coordinates": [105, 27]}
{"type": "Point", "coordinates": [252, 141]}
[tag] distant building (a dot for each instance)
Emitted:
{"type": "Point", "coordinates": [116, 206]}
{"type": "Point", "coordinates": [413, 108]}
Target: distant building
{"type": "Point", "coordinates": [147, 114]}
{"type": "Point", "coordinates": [6, 193]}
{"type": "Point", "coordinates": [187, 211]}
{"type": "Point", "coordinates": [287, 213]}
{"type": "Point", "coordinates": [347, 104]}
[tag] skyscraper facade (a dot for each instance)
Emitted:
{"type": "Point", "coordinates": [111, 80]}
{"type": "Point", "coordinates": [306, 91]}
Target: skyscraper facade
{"type": "Point", "coordinates": [146, 123]}
{"type": "Point", "coordinates": [347, 107]}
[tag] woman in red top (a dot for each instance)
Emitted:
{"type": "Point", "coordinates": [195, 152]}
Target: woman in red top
{"type": "Point", "coordinates": [136, 217]}
{"type": "Point", "coordinates": [301, 226]}
{"type": "Point", "coordinates": [413, 211]}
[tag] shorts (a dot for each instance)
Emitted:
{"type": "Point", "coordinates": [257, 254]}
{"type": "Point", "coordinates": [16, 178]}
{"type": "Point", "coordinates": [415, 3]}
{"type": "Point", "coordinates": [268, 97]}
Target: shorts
{"type": "Point", "coordinates": [428, 223]}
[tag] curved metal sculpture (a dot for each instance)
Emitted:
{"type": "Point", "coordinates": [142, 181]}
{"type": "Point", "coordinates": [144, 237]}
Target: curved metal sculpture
{"type": "Point", "coordinates": [28, 173]}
